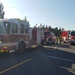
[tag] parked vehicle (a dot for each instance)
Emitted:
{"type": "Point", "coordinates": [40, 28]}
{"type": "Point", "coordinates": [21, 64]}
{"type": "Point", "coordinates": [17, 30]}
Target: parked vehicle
{"type": "Point", "coordinates": [64, 35]}
{"type": "Point", "coordinates": [72, 37]}
{"type": "Point", "coordinates": [68, 37]}
{"type": "Point", "coordinates": [49, 37]}
{"type": "Point", "coordinates": [14, 35]}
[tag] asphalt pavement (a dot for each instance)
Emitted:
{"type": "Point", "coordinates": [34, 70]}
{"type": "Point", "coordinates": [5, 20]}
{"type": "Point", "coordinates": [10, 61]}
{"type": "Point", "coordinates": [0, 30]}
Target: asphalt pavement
{"type": "Point", "coordinates": [41, 61]}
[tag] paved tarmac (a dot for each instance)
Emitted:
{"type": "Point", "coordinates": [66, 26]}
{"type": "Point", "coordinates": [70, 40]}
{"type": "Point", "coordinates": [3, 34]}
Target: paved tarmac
{"type": "Point", "coordinates": [41, 61]}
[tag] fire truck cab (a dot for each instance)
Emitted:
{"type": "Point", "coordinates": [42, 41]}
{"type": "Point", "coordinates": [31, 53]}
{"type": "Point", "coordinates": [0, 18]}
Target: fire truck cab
{"type": "Point", "coordinates": [72, 37]}
{"type": "Point", "coordinates": [14, 35]}
{"type": "Point", "coordinates": [68, 36]}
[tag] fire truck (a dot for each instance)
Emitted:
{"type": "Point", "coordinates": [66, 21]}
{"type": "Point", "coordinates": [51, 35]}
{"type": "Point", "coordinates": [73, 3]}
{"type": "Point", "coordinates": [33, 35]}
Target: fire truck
{"type": "Point", "coordinates": [14, 35]}
{"type": "Point", "coordinates": [68, 36]}
{"type": "Point", "coordinates": [64, 35]}
{"type": "Point", "coordinates": [41, 36]}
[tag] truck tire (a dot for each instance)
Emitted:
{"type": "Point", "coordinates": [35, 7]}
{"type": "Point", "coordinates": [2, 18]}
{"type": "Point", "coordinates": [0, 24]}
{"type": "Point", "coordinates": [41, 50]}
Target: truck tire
{"type": "Point", "coordinates": [21, 48]}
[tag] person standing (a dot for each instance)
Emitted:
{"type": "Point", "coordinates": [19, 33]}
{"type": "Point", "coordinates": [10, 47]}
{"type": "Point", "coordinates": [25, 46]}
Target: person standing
{"type": "Point", "coordinates": [60, 39]}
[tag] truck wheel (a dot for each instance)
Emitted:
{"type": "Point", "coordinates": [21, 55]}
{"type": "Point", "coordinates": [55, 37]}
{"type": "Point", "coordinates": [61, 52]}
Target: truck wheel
{"type": "Point", "coordinates": [21, 48]}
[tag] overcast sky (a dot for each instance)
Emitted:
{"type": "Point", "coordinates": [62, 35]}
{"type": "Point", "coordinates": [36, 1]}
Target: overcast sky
{"type": "Point", "coordinates": [56, 13]}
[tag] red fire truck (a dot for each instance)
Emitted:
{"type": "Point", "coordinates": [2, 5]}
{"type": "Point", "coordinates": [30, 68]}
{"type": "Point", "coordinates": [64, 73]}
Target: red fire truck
{"type": "Point", "coordinates": [68, 36]}
{"type": "Point", "coordinates": [14, 35]}
{"type": "Point", "coordinates": [64, 35]}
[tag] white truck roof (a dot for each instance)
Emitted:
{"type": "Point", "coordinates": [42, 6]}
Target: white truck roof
{"type": "Point", "coordinates": [18, 21]}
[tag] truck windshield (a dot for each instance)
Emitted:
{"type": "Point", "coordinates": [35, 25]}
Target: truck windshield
{"type": "Point", "coordinates": [6, 26]}
{"type": "Point", "coordinates": [73, 33]}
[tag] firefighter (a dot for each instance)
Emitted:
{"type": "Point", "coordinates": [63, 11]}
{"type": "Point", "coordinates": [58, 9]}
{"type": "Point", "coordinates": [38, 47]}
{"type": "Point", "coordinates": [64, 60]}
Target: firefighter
{"type": "Point", "coordinates": [42, 41]}
{"type": "Point", "coordinates": [60, 39]}
{"type": "Point", "coordinates": [57, 39]}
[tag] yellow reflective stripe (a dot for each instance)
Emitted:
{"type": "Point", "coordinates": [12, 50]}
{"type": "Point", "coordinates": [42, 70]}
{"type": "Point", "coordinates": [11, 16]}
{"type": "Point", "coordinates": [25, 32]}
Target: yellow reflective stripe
{"type": "Point", "coordinates": [3, 51]}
